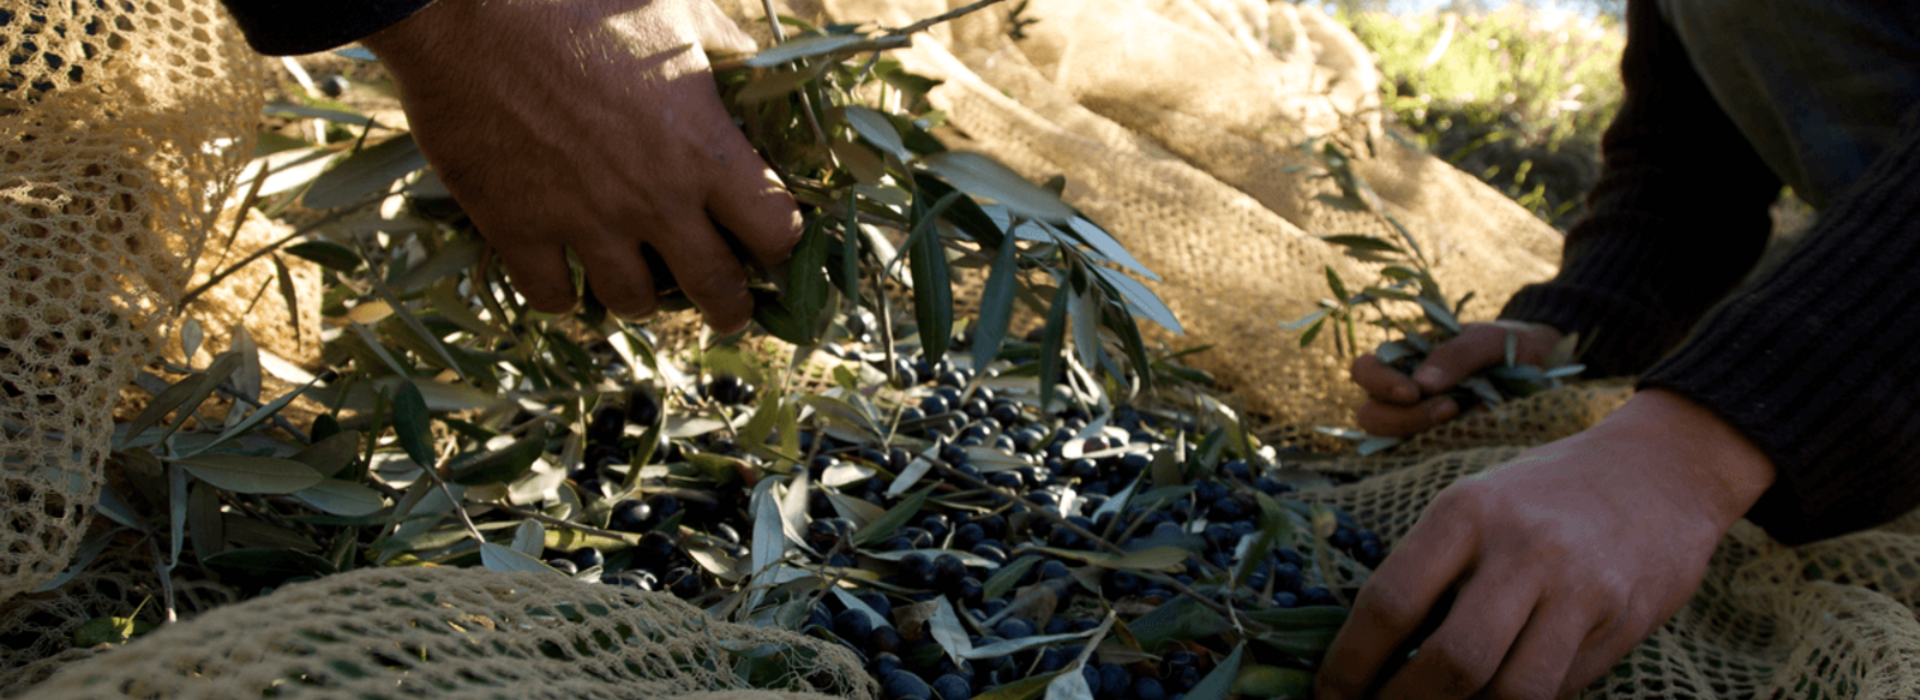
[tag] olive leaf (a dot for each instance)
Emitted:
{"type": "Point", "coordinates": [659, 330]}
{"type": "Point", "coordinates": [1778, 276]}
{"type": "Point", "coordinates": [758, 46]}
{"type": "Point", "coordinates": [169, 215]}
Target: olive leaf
{"type": "Point", "coordinates": [249, 474]}
{"type": "Point", "coordinates": [1220, 680]}
{"type": "Point", "coordinates": [364, 172]}
{"type": "Point", "coordinates": [983, 177]}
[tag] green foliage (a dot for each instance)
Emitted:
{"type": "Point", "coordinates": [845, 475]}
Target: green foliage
{"type": "Point", "coordinates": [457, 427]}
{"type": "Point", "coordinates": [1406, 284]}
{"type": "Point", "coordinates": [1515, 96]}
{"type": "Point", "coordinates": [801, 103]}
{"type": "Point", "coordinates": [456, 420]}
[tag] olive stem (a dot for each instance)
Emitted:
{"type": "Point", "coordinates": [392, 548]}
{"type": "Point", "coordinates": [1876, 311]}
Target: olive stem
{"type": "Point", "coordinates": [550, 520]}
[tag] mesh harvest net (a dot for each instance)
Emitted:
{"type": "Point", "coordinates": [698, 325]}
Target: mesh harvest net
{"type": "Point", "coordinates": [1177, 124]}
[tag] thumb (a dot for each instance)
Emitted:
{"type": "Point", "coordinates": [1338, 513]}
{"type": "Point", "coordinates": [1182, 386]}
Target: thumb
{"type": "Point", "coordinates": [1478, 346]}
{"type": "Point", "coordinates": [717, 33]}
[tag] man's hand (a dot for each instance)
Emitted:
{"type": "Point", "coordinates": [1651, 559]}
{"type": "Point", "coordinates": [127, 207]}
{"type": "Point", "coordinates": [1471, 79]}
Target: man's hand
{"type": "Point", "coordinates": [1559, 561]}
{"type": "Point", "coordinates": [1399, 405]}
{"type": "Point", "coordinates": [595, 126]}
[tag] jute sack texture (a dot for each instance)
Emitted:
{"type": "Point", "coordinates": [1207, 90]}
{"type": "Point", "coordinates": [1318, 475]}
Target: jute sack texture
{"type": "Point", "coordinates": [120, 125]}
{"type": "Point", "coordinates": [1176, 123]}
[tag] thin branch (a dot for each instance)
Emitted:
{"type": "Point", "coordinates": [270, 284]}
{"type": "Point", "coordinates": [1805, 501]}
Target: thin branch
{"type": "Point", "coordinates": [240, 217]}
{"type": "Point", "coordinates": [269, 248]}
{"type": "Point", "coordinates": [433, 472]}
{"type": "Point", "coordinates": [957, 13]}
{"type": "Point", "coordinates": [773, 22]}
{"type": "Point", "coordinates": [568, 524]}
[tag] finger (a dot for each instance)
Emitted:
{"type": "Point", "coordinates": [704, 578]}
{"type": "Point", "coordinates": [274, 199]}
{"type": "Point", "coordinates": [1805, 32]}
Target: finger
{"type": "Point", "coordinates": [749, 201]}
{"type": "Point", "coordinates": [541, 275]}
{"type": "Point", "coordinates": [1602, 648]}
{"type": "Point", "coordinates": [709, 273]}
{"type": "Point", "coordinates": [1541, 658]}
{"type": "Point", "coordinates": [1381, 418]}
{"type": "Point", "coordinates": [1382, 382]}
{"type": "Point", "coordinates": [1466, 651]}
{"type": "Point", "coordinates": [1391, 605]}
{"type": "Point", "coordinates": [619, 277]}
{"type": "Point", "coordinates": [1477, 347]}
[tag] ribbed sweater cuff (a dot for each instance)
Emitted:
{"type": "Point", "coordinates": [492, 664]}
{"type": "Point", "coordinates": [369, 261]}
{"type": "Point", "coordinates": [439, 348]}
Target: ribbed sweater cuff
{"type": "Point", "coordinates": [290, 27]}
{"type": "Point", "coordinates": [1632, 284]}
{"type": "Point", "coordinates": [1819, 362]}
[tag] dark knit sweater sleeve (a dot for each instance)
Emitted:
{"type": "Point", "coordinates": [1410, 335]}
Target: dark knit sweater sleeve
{"type": "Point", "coordinates": [1818, 361]}
{"type": "Point", "coordinates": [1678, 218]}
{"type": "Point", "coordinates": [288, 27]}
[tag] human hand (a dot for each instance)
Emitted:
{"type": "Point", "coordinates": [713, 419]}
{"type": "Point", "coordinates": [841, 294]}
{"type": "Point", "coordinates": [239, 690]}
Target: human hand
{"type": "Point", "coordinates": [1559, 561]}
{"type": "Point", "coordinates": [1399, 405]}
{"type": "Point", "coordinates": [595, 126]}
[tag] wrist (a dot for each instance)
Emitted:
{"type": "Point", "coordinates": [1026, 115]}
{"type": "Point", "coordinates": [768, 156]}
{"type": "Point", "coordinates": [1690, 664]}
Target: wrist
{"type": "Point", "coordinates": [1721, 467]}
{"type": "Point", "coordinates": [417, 34]}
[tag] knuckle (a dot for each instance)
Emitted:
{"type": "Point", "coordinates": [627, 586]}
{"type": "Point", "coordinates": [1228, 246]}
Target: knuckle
{"type": "Point", "coordinates": [1607, 594]}
{"type": "Point", "coordinates": [1384, 604]}
{"type": "Point", "coordinates": [1461, 500]}
{"type": "Point", "coordinates": [1458, 670]}
{"type": "Point", "coordinates": [713, 286]}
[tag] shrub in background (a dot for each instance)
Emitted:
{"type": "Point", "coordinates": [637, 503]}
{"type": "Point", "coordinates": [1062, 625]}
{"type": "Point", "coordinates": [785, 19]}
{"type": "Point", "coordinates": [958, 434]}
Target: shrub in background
{"type": "Point", "coordinates": [1517, 96]}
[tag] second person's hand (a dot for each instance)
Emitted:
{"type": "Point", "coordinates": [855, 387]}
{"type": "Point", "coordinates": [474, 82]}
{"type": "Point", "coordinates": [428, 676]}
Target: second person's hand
{"type": "Point", "coordinates": [593, 126]}
{"type": "Point", "coordinates": [1400, 405]}
{"type": "Point", "coordinates": [1557, 562]}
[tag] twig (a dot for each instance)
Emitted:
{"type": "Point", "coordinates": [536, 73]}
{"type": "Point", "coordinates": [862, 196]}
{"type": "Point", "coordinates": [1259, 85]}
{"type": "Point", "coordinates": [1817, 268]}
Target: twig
{"type": "Point", "coordinates": [568, 524]}
{"type": "Point", "coordinates": [433, 472]}
{"type": "Point", "coordinates": [269, 248]}
{"type": "Point", "coordinates": [773, 21]}
{"type": "Point", "coordinates": [949, 16]}
{"type": "Point", "coordinates": [806, 100]}
{"type": "Point", "coordinates": [240, 218]}
{"type": "Point", "coordinates": [165, 569]}
{"type": "Point", "coordinates": [233, 393]}
{"type": "Point", "coordinates": [885, 318]}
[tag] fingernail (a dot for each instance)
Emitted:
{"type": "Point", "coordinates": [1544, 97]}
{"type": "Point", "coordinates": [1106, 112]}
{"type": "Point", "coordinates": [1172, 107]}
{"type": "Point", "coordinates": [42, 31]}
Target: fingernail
{"type": "Point", "coordinates": [1406, 394]}
{"type": "Point", "coordinates": [1443, 411]}
{"type": "Point", "coordinates": [1428, 377]}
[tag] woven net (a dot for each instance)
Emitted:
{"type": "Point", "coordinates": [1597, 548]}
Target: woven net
{"type": "Point", "coordinates": [43, 632]}
{"type": "Point", "coordinates": [1177, 123]}
{"type": "Point", "coordinates": [119, 126]}
{"type": "Point", "coordinates": [460, 633]}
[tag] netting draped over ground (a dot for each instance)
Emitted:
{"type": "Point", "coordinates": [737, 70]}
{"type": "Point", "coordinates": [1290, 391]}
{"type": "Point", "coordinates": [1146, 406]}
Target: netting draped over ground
{"type": "Point", "coordinates": [460, 633]}
{"type": "Point", "coordinates": [120, 126]}
{"type": "Point", "coordinates": [1177, 124]}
